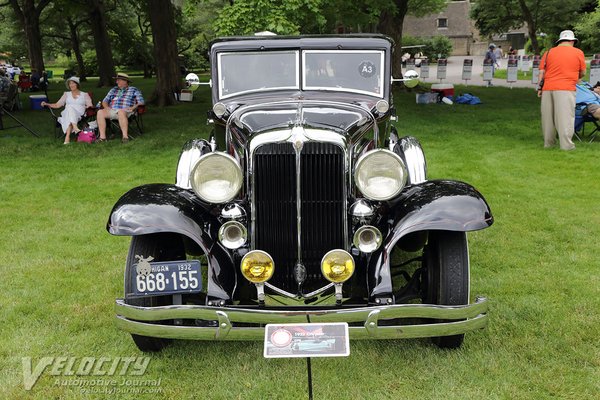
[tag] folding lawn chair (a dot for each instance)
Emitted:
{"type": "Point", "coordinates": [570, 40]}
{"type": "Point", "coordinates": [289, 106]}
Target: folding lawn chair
{"type": "Point", "coordinates": [88, 115]}
{"type": "Point", "coordinates": [135, 121]}
{"type": "Point", "coordinates": [584, 97]}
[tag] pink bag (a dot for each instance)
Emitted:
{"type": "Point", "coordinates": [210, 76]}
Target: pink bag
{"type": "Point", "coordinates": [87, 136]}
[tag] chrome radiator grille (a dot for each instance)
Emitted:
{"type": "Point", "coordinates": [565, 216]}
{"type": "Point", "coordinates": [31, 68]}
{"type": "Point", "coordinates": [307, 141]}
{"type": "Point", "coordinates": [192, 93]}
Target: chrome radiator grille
{"type": "Point", "coordinates": [322, 199]}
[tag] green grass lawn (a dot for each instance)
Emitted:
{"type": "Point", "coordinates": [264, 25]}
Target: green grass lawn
{"type": "Point", "coordinates": [60, 271]}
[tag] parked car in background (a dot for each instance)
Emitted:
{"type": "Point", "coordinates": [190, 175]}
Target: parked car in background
{"type": "Point", "coordinates": [305, 204]}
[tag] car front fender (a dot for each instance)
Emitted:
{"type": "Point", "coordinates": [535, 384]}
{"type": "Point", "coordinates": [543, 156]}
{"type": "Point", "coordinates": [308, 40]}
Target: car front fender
{"type": "Point", "coordinates": [431, 205]}
{"type": "Point", "coordinates": [159, 208]}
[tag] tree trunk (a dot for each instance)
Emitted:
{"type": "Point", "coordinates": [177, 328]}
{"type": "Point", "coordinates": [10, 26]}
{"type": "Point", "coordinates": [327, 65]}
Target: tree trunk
{"type": "Point", "coordinates": [164, 36]}
{"type": "Point", "coordinates": [77, 49]}
{"type": "Point", "coordinates": [390, 23]}
{"type": "Point", "coordinates": [106, 66]}
{"type": "Point", "coordinates": [29, 17]}
{"type": "Point", "coordinates": [531, 26]}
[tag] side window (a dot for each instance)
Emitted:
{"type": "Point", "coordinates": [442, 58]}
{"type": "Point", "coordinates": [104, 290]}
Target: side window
{"type": "Point", "coordinates": [442, 22]}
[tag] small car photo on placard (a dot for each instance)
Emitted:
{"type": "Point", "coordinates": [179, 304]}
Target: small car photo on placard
{"type": "Point", "coordinates": [307, 340]}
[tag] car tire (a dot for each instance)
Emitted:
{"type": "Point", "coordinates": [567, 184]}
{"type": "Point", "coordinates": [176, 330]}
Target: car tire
{"type": "Point", "coordinates": [447, 263]}
{"type": "Point", "coordinates": [162, 247]}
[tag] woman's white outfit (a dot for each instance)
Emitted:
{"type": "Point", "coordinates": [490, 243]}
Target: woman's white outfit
{"type": "Point", "coordinates": [74, 108]}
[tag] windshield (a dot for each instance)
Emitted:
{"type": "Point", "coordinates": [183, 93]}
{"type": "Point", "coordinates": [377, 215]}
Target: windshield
{"type": "Point", "coordinates": [256, 71]}
{"type": "Point", "coordinates": [359, 71]}
{"type": "Point", "coordinates": [343, 70]}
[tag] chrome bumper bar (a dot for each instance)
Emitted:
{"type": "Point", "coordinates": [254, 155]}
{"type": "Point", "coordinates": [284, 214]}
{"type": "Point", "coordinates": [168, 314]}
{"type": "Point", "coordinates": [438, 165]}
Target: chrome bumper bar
{"type": "Point", "coordinates": [458, 319]}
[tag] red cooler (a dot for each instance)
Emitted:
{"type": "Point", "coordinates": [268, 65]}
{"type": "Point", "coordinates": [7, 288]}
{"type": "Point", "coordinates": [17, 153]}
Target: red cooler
{"type": "Point", "coordinates": [446, 89]}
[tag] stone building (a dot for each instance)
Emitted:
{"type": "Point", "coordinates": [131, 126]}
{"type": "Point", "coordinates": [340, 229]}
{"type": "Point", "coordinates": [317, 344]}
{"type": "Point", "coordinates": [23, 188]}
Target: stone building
{"type": "Point", "coordinates": [453, 22]}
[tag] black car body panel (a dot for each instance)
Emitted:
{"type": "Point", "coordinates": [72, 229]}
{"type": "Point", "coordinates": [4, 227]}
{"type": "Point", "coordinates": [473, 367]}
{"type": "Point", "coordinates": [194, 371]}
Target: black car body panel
{"type": "Point", "coordinates": [304, 162]}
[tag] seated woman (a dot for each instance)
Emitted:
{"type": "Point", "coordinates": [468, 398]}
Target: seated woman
{"type": "Point", "coordinates": [75, 103]}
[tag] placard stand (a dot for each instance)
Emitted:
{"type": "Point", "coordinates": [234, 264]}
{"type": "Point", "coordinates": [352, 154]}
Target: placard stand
{"type": "Point", "coordinates": [441, 69]}
{"type": "Point", "coordinates": [467, 69]}
{"type": "Point", "coordinates": [512, 71]}
{"type": "Point", "coordinates": [4, 111]}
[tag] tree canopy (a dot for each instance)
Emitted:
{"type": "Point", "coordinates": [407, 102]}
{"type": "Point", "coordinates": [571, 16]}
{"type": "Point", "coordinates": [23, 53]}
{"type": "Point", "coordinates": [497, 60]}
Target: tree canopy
{"type": "Point", "coordinates": [97, 37]}
{"type": "Point", "coordinates": [548, 17]}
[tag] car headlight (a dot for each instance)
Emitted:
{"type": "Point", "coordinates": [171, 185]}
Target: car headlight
{"type": "Point", "coordinates": [216, 177]}
{"type": "Point", "coordinates": [380, 174]}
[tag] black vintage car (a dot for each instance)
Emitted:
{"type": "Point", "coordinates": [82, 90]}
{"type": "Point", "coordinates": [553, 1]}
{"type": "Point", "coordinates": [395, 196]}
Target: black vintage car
{"type": "Point", "coordinates": [304, 205]}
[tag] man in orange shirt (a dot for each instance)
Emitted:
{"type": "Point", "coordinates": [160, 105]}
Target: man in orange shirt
{"type": "Point", "coordinates": [560, 69]}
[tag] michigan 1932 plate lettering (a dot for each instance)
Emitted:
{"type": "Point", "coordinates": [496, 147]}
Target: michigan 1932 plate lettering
{"type": "Point", "coordinates": [167, 277]}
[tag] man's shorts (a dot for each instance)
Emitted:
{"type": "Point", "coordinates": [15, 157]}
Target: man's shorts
{"type": "Point", "coordinates": [592, 108]}
{"type": "Point", "coordinates": [113, 114]}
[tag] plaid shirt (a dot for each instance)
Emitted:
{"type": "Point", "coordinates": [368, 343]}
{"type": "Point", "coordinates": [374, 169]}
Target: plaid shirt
{"type": "Point", "coordinates": [123, 98]}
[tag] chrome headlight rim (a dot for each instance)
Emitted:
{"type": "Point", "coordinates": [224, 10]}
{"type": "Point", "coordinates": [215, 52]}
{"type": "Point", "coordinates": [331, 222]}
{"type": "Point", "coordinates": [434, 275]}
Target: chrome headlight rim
{"type": "Point", "coordinates": [236, 184]}
{"type": "Point", "coordinates": [399, 164]}
{"type": "Point", "coordinates": [367, 246]}
{"type": "Point", "coordinates": [236, 241]}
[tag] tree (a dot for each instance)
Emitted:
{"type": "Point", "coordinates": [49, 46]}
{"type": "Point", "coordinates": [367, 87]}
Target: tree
{"type": "Point", "coordinates": [284, 17]}
{"type": "Point", "coordinates": [98, 23]}
{"type": "Point", "coordinates": [28, 14]}
{"type": "Point", "coordinates": [392, 17]}
{"type": "Point", "coordinates": [164, 37]}
{"type": "Point", "coordinates": [549, 16]}
{"type": "Point", "coordinates": [587, 30]}
{"type": "Point", "coordinates": [72, 16]}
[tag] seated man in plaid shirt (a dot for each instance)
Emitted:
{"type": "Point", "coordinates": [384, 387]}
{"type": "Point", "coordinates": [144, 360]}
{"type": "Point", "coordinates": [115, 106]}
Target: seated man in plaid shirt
{"type": "Point", "coordinates": [120, 102]}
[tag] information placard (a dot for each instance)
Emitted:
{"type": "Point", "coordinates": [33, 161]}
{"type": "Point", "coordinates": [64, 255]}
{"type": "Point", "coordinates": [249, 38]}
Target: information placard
{"type": "Point", "coordinates": [595, 71]}
{"type": "Point", "coordinates": [535, 73]}
{"type": "Point", "coordinates": [525, 63]}
{"type": "Point", "coordinates": [467, 69]}
{"type": "Point", "coordinates": [512, 70]}
{"type": "Point", "coordinates": [307, 340]}
{"type": "Point", "coordinates": [424, 69]}
{"type": "Point", "coordinates": [410, 63]}
{"type": "Point", "coordinates": [488, 70]}
{"type": "Point", "coordinates": [441, 68]}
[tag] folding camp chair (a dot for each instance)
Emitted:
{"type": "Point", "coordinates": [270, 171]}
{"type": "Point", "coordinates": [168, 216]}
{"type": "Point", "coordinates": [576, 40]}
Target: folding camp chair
{"type": "Point", "coordinates": [135, 121]}
{"type": "Point", "coordinates": [88, 116]}
{"type": "Point", "coordinates": [24, 82]}
{"type": "Point", "coordinates": [584, 97]}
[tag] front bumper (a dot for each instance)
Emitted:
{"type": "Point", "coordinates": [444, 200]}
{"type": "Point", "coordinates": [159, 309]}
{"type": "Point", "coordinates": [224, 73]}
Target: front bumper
{"type": "Point", "coordinates": [457, 320]}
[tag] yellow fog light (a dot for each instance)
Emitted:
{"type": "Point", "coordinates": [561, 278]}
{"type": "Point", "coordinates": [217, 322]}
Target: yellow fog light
{"type": "Point", "coordinates": [257, 266]}
{"type": "Point", "coordinates": [337, 266]}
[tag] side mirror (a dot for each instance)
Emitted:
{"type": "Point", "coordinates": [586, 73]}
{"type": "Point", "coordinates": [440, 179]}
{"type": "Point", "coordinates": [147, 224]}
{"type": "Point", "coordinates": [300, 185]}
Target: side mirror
{"type": "Point", "coordinates": [411, 79]}
{"type": "Point", "coordinates": [193, 82]}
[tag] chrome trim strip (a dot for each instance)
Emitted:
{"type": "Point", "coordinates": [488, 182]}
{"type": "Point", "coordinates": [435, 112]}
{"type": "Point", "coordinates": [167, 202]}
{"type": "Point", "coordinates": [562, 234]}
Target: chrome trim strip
{"type": "Point", "coordinates": [414, 159]}
{"type": "Point", "coordinates": [272, 316]}
{"type": "Point", "coordinates": [294, 296]}
{"type": "Point", "coordinates": [473, 317]}
{"type": "Point", "coordinates": [356, 332]}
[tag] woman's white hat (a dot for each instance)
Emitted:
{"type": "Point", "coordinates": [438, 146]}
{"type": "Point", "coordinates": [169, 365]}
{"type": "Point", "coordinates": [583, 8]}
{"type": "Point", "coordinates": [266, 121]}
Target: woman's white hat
{"type": "Point", "coordinates": [74, 79]}
{"type": "Point", "coordinates": [566, 35]}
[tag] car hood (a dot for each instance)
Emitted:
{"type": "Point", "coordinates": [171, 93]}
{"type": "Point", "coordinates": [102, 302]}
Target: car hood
{"type": "Point", "coordinates": [341, 117]}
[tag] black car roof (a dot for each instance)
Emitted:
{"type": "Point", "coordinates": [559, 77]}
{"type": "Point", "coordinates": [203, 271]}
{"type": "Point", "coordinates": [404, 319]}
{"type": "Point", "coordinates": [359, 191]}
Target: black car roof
{"type": "Point", "coordinates": [354, 41]}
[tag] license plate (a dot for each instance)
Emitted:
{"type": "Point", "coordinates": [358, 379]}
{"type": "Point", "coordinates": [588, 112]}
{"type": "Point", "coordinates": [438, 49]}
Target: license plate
{"type": "Point", "coordinates": [167, 277]}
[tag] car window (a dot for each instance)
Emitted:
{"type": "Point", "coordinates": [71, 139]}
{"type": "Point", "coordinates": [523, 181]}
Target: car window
{"type": "Point", "coordinates": [245, 72]}
{"type": "Point", "coordinates": [358, 71]}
